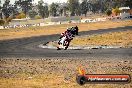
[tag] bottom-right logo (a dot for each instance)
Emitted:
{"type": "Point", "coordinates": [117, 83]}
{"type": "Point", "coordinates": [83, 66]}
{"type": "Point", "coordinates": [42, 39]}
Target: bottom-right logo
{"type": "Point", "coordinates": [83, 78]}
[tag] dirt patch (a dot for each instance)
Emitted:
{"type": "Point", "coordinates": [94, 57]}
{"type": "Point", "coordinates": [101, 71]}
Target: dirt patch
{"type": "Point", "coordinates": [57, 29]}
{"type": "Point", "coordinates": [58, 72]}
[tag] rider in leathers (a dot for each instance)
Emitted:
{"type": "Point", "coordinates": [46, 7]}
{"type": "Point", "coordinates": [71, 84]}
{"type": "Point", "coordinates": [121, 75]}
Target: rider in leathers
{"type": "Point", "coordinates": [66, 36]}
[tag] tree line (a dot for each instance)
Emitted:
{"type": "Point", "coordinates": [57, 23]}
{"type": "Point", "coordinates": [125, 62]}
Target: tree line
{"type": "Point", "coordinates": [24, 8]}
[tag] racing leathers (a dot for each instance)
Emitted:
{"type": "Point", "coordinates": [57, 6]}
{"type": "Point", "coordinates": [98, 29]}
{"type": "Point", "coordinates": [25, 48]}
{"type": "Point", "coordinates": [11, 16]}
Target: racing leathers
{"type": "Point", "coordinates": [65, 36]}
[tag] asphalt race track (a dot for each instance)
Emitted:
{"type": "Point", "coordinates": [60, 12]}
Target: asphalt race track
{"type": "Point", "coordinates": [28, 47]}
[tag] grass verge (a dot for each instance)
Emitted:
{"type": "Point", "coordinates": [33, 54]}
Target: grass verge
{"type": "Point", "coordinates": [57, 29]}
{"type": "Point", "coordinates": [123, 39]}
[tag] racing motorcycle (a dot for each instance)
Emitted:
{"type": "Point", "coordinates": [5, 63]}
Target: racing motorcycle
{"type": "Point", "coordinates": [64, 42]}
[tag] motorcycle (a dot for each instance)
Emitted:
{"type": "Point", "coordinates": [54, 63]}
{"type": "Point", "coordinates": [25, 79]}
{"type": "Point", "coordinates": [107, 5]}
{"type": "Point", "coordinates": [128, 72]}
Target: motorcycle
{"type": "Point", "coordinates": [64, 41]}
